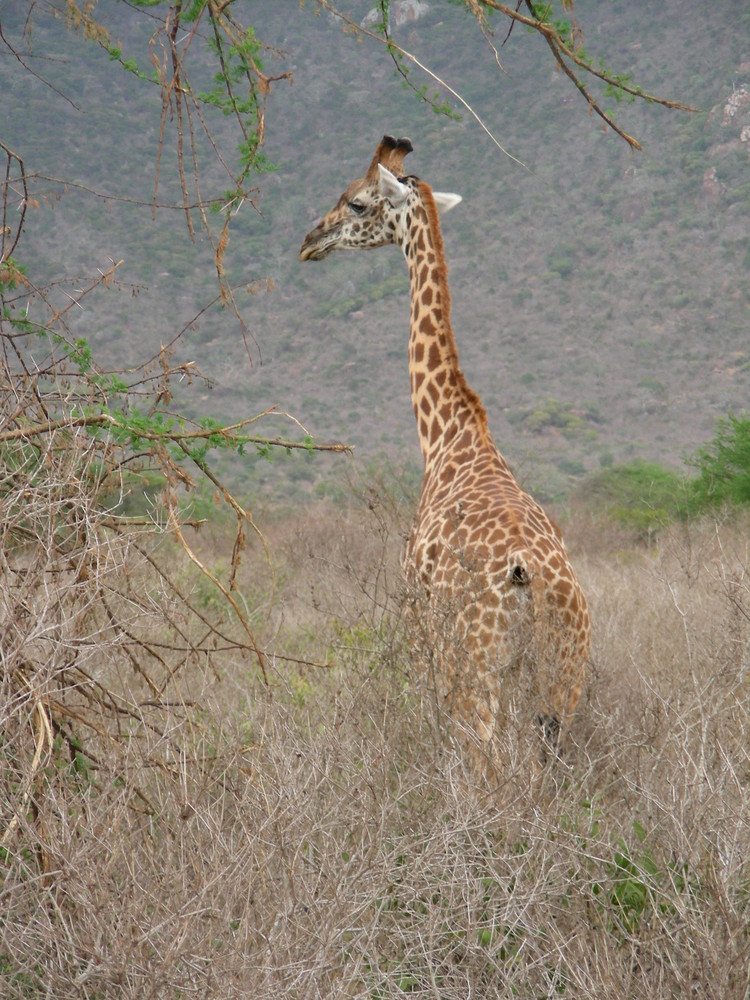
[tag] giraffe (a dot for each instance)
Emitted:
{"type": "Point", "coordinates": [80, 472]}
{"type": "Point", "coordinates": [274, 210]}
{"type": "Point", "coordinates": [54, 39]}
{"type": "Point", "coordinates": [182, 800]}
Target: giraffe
{"type": "Point", "coordinates": [495, 601]}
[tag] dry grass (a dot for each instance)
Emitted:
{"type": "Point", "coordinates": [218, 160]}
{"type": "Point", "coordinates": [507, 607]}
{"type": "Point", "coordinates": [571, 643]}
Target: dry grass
{"type": "Point", "coordinates": [327, 840]}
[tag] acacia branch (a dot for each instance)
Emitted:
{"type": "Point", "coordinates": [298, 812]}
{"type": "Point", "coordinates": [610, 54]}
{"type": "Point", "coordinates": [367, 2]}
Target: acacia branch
{"type": "Point", "coordinates": [227, 433]}
{"type": "Point", "coordinates": [50, 426]}
{"type": "Point", "coordinates": [549, 31]}
{"type": "Point", "coordinates": [393, 47]}
{"type": "Point", "coordinates": [560, 50]}
{"type": "Point", "coordinates": [5, 229]}
{"type": "Point", "coordinates": [43, 735]}
{"type": "Point", "coordinates": [104, 196]}
{"type": "Point", "coordinates": [552, 42]}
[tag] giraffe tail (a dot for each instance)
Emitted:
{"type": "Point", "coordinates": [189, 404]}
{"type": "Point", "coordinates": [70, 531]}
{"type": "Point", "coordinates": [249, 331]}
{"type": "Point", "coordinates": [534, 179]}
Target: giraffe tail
{"type": "Point", "coordinates": [524, 573]}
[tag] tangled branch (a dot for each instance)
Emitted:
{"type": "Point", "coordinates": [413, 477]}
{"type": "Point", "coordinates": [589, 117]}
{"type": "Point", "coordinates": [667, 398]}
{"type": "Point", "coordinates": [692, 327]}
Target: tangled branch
{"type": "Point", "coordinates": [563, 39]}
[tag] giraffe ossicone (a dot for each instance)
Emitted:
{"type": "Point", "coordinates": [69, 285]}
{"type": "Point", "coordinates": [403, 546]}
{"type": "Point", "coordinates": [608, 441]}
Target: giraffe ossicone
{"type": "Point", "coordinates": [497, 605]}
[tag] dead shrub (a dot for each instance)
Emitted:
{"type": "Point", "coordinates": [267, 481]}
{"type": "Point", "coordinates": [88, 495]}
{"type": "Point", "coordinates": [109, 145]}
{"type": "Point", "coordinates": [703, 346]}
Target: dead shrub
{"type": "Point", "coordinates": [317, 840]}
{"type": "Point", "coordinates": [214, 785]}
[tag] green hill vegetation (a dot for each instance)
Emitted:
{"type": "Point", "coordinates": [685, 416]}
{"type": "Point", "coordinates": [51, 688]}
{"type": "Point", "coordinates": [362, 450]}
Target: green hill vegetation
{"type": "Point", "coordinates": [593, 273]}
{"type": "Point", "coordinates": [647, 496]}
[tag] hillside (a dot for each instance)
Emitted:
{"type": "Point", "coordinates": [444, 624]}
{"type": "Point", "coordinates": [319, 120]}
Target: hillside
{"type": "Point", "coordinates": [231, 764]}
{"type": "Point", "coordinates": [600, 297]}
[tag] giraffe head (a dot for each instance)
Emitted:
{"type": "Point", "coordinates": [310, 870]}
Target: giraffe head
{"type": "Point", "coordinates": [372, 210]}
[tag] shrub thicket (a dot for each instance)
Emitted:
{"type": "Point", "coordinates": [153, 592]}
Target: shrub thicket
{"type": "Point", "coordinates": [647, 496]}
{"type": "Point", "coordinates": [643, 496]}
{"type": "Point", "coordinates": [724, 467]}
{"type": "Point", "coordinates": [324, 837]}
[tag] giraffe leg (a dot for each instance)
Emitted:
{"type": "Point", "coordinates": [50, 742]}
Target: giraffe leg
{"type": "Point", "coordinates": [550, 730]}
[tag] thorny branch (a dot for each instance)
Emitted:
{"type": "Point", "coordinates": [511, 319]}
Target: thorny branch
{"type": "Point", "coordinates": [8, 237]}
{"type": "Point", "coordinates": [81, 579]}
{"type": "Point", "coordinates": [563, 54]}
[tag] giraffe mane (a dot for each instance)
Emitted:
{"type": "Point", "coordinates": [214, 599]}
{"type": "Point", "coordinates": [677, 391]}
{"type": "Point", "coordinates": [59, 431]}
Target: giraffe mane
{"type": "Point", "coordinates": [441, 268]}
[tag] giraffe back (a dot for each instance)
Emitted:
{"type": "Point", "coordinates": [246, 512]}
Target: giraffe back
{"type": "Point", "coordinates": [498, 608]}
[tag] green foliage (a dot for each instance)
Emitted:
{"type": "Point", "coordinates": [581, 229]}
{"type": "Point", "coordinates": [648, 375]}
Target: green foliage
{"type": "Point", "coordinates": [355, 643]}
{"type": "Point", "coordinates": [654, 385]}
{"type": "Point", "coordinates": [70, 758]}
{"type": "Point", "coordinates": [615, 88]}
{"type": "Point", "coordinates": [238, 64]}
{"type": "Point", "coordinates": [624, 878]}
{"type": "Point", "coordinates": [562, 264]}
{"type": "Point", "coordinates": [646, 496]}
{"type": "Point", "coordinates": [571, 466]}
{"type": "Point", "coordinates": [643, 496]}
{"type": "Point", "coordinates": [130, 65]}
{"type": "Point", "coordinates": [79, 353]}
{"type": "Point", "coordinates": [639, 883]}
{"type": "Point", "coordinates": [627, 877]}
{"type": "Point", "coordinates": [633, 885]}
{"type": "Point", "coordinates": [554, 414]}
{"type": "Point", "coordinates": [10, 272]}
{"type": "Point", "coordinates": [439, 103]}
{"type": "Point", "coordinates": [723, 467]}
{"type": "Point", "coordinates": [395, 285]}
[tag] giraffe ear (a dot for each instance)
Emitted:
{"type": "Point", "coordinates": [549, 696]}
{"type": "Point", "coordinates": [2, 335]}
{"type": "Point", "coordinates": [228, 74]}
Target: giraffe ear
{"type": "Point", "coordinates": [391, 187]}
{"type": "Point", "coordinates": [444, 201]}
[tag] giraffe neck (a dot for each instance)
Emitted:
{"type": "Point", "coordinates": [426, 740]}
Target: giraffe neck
{"type": "Point", "coordinates": [444, 404]}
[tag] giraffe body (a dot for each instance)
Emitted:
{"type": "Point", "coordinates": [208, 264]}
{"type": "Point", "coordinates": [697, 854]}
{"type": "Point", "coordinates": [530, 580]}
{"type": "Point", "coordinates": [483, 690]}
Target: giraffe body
{"type": "Point", "coordinates": [495, 601]}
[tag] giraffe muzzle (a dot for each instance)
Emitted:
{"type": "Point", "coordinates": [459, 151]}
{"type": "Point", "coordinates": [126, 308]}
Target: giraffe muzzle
{"type": "Point", "coordinates": [316, 245]}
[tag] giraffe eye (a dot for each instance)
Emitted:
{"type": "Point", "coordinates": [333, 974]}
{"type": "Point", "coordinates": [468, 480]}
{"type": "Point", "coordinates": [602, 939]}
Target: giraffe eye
{"type": "Point", "coordinates": [357, 207]}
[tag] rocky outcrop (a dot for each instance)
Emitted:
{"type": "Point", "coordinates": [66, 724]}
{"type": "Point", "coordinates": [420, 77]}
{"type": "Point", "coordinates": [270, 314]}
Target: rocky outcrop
{"type": "Point", "coordinates": [733, 117]}
{"type": "Point", "coordinates": [401, 12]}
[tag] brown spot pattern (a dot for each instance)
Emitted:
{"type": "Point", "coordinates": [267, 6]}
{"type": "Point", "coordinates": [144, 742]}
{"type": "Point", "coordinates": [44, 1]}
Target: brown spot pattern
{"type": "Point", "coordinates": [496, 605]}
